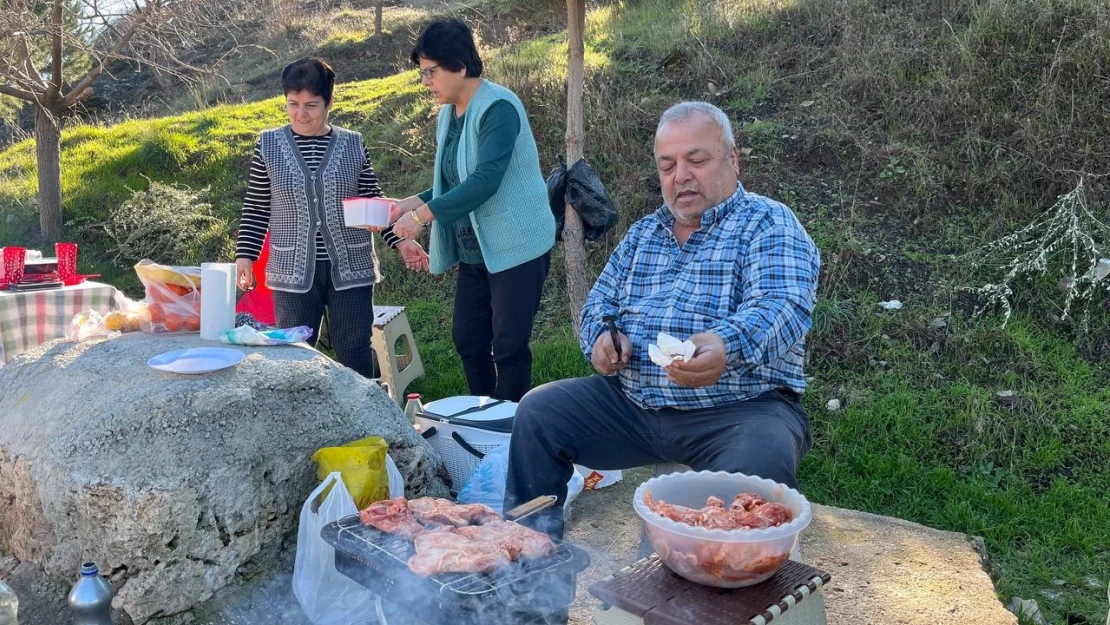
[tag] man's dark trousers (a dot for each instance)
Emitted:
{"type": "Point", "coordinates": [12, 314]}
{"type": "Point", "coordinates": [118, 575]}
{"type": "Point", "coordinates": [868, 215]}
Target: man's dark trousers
{"type": "Point", "coordinates": [590, 421]}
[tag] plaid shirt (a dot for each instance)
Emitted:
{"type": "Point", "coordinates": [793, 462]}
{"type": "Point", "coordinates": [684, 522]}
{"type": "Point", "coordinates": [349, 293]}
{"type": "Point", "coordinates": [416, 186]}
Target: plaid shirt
{"type": "Point", "coordinates": [748, 274]}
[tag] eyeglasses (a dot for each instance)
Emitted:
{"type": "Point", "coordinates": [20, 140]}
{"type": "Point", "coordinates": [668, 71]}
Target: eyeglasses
{"type": "Point", "coordinates": [427, 72]}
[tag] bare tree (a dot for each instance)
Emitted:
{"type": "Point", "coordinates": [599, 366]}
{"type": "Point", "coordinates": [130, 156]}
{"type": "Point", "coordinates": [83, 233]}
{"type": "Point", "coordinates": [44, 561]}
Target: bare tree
{"type": "Point", "coordinates": [378, 7]}
{"type": "Point", "coordinates": [51, 51]}
{"type": "Point", "coordinates": [577, 285]}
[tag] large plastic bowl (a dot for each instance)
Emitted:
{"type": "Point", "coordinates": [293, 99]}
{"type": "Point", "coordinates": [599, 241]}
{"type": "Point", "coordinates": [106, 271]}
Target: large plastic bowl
{"type": "Point", "coordinates": [716, 557]}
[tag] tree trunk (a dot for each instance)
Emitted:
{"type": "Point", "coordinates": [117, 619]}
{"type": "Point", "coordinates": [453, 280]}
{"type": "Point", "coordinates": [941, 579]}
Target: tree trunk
{"type": "Point", "coordinates": [48, 151]}
{"type": "Point", "coordinates": [378, 17]}
{"type": "Point", "coordinates": [577, 285]}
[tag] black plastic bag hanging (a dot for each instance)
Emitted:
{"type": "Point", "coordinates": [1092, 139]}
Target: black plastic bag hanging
{"type": "Point", "coordinates": [581, 188]}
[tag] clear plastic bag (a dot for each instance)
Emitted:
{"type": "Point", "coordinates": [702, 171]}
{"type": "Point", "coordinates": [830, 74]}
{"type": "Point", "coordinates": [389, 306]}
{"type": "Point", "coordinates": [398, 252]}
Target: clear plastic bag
{"type": "Point", "coordinates": [89, 324]}
{"type": "Point", "coordinates": [172, 295]}
{"type": "Point", "coordinates": [327, 596]}
{"type": "Point", "coordinates": [246, 335]}
{"type": "Point", "coordinates": [487, 484]}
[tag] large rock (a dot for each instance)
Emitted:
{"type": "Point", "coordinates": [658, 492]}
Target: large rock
{"type": "Point", "coordinates": [175, 484]}
{"type": "Point", "coordinates": [886, 570]}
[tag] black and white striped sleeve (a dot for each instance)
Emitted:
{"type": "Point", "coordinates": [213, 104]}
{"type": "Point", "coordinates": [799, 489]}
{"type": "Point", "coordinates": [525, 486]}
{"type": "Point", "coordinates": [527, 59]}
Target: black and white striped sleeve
{"type": "Point", "coordinates": [367, 180]}
{"type": "Point", "coordinates": [254, 219]}
{"type": "Point", "coordinates": [368, 187]}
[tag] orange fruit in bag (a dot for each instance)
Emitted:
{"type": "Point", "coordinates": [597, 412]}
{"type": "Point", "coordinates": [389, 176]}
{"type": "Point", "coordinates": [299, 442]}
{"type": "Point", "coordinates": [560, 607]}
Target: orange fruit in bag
{"type": "Point", "coordinates": [173, 322]}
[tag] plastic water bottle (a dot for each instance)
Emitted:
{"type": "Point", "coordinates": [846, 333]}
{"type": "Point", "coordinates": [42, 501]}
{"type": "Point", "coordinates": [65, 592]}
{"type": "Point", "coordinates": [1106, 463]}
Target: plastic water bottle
{"type": "Point", "coordinates": [413, 407]}
{"type": "Point", "coordinates": [9, 605]}
{"type": "Point", "coordinates": [90, 601]}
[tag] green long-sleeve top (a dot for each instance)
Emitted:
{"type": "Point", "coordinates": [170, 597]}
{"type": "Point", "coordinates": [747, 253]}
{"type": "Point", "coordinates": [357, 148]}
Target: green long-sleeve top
{"type": "Point", "coordinates": [497, 132]}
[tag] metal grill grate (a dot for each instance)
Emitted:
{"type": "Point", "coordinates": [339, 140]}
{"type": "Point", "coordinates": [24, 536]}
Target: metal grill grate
{"type": "Point", "coordinates": [390, 554]}
{"type": "Point", "coordinates": [530, 590]}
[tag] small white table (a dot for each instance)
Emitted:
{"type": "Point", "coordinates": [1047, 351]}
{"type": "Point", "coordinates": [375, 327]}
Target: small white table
{"type": "Point", "coordinates": [31, 318]}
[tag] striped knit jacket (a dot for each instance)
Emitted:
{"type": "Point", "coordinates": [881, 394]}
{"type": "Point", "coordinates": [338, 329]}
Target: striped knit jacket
{"type": "Point", "coordinates": [304, 202]}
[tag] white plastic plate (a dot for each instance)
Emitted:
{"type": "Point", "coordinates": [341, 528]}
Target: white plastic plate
{"type": "Point", "coordinates": [196, 360]}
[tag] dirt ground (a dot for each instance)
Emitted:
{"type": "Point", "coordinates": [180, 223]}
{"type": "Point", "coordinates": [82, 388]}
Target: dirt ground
{"type": "Point", "coordinates": [603, 523]}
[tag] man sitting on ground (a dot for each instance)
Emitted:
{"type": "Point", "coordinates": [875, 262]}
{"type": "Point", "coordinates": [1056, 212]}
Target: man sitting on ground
{"type": "Point", "coordinates": [733, 272]}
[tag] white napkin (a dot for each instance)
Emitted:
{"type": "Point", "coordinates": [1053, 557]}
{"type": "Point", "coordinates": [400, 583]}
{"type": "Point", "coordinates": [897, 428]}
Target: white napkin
{"type": "Point", "coordinates": [668, 349]}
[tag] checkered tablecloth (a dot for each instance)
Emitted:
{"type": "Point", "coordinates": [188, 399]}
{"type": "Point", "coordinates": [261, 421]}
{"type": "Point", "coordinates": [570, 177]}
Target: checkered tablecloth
{"type": "Point", "coordinates": [33, 318]}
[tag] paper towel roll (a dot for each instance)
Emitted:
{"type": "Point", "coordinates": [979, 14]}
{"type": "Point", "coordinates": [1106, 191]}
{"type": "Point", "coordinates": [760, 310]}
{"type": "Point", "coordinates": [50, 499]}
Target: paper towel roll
{"type": "Point", "coordinates": [217, 299]}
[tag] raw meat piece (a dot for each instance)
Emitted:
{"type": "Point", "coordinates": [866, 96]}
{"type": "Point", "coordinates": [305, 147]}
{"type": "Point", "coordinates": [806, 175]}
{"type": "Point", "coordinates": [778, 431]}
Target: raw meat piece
{"type": "Point", "coordinates": [767, 515]}
{"type": "Point", "coordinates": [747, 511]}
{"type": "Point", "coordinates": [713, 515]}
{"type": "Point", "coordinates": [435, 511]}
{"type": "Point", "coordinates": [728, 562]}
{"type": "Point", "coordinates": [744, 502]}
{"type": "Point", "coordinates": [444, 551]}
{"type": "Point", "coordinates": [456, 538]}
{"type": "Point", "coordinates": [513, 538]}
{"type": "Point", "coordinates": [392, 516]}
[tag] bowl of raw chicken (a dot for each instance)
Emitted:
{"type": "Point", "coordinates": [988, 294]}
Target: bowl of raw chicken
{"type": "Point", "coordinates": [727, 530]}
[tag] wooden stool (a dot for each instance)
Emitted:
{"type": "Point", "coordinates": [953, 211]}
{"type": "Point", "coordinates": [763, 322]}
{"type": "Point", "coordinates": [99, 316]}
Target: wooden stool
{"type": "Point", "coordinates": [398, 370]}
{"type": "Point", "coordinates": [647, 593]}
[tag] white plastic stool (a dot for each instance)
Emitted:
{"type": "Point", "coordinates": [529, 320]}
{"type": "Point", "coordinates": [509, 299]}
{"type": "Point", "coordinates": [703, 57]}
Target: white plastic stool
{"type": "Point", "coordinates": [391, 324]}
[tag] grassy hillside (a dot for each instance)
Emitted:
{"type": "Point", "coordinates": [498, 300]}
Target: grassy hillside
{"type": "Point", "coordinates": [904, 134]}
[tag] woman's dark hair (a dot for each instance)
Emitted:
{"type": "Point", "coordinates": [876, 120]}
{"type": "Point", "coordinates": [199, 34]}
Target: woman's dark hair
{"type": "Point", "coordinates": [450, 43]}
{"type": "Point", "coordinates": [310, 74]}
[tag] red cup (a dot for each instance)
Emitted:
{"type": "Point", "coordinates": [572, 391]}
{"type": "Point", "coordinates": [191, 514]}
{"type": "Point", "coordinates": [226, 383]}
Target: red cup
{"type": "Point", "coordinates": [14, 257]}
{"type": "Point", "coordinates": [67, 260]}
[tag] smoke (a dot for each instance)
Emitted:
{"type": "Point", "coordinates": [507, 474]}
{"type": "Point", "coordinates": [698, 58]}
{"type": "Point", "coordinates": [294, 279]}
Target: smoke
{"type": "Point", "coordinates": [263, 599]}
{"type": "Point", "coordinates": [407, 599]}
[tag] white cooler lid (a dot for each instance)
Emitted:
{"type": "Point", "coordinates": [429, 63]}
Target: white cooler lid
{"type": "Point", "coordinates": [476, 408]}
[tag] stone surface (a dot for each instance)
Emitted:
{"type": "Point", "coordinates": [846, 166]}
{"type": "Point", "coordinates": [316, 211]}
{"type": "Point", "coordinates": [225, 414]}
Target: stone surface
{"type": "Point", "coordinates": [175, 484]}
{"type": "Point", "coordinates": [1028, 610]}
{"type": "Point", "coordinates": [886, 570]}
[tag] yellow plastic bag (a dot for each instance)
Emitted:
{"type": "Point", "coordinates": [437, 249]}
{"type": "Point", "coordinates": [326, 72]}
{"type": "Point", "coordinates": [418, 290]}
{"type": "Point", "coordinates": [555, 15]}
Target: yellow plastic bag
{"type": "Point", "coordinates": [362, 465]}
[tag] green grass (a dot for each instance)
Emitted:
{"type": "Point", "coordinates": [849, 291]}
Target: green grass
{"type": "Point", "coordinates": [925, 439]}
{"type": "Point", "coordinates": [992, 108]}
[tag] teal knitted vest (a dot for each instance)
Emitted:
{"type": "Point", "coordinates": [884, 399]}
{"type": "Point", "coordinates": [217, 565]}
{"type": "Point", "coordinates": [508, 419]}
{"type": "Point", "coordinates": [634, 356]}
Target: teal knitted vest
{"type": "Point", "coordinates": [515, 225]}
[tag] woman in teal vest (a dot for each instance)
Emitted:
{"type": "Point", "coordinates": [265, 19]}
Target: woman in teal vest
{"type": "Point", "coordinates": [487, 210]}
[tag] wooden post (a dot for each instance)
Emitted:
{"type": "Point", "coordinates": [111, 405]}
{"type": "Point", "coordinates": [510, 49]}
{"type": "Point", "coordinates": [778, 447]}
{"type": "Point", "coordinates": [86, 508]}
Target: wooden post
{"type": "Point", "coordinates": [577, 286]}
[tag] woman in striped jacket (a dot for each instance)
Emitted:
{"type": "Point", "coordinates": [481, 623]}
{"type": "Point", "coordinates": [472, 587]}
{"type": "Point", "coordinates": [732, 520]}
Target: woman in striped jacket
{"type": "Point", "coordinates": [300, 174]}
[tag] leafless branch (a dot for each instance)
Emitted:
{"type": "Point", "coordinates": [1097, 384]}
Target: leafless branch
{"type": "Point", "coordinates": [28, 65]}
{"type": "Point", "coordinates": [18, 93]}
{"type": "Point", "coordinates": [17, 76]}
{"type": "Point", "coordinates": [137, 19]}
{"type": "Point", "coordinates": [55, 51]}
{"type": "Point", "coordinates": [163, 35]}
